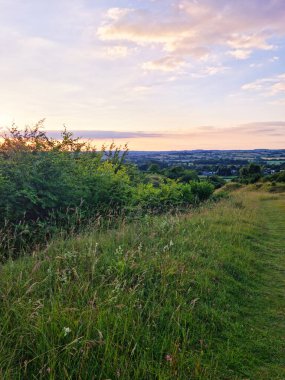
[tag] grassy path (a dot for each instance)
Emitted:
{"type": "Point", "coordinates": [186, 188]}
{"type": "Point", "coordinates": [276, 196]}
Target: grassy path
{"type": "Point", "coordinates": [193, 297]}
{"type": "Point", "coordinates": [268, 319]}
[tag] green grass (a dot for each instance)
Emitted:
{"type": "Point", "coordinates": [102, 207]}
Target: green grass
{"type": "Point", "coordinates": [199, 296]}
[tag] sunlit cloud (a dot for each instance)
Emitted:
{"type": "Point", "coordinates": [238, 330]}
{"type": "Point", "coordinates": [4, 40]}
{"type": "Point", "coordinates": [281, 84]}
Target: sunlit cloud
{"type": "Point", "coordinates": [249, 42]}
{"type": "Point", "coordinates": [106, 135]}
{"type": "Point", "coordinates": [116, 14]}
{"type": "Point", "coordinates": [164, 64]}
{"type": "Point", "coordinates": [195, 29]}
{"type": "Point", "coordinates": [267, 86]}
{"type": "Point", "coordinates": [240, 53]}
{"type": "Point", "coordinates": [118, 51]}
{"type": "Point", "coordinates": [210, 70]}
{"type": "Point", "coordinates": [141, 89]}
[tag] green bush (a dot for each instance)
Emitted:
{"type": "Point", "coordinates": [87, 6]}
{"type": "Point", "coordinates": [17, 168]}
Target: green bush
{"type": "Point", "coordinates": [278, 177]}
{"type": "Point", "coordinates": [48, 186]}
{"type": "Point", "coordinates": [202, 190]}
{"type": "Point", "coordinates": [216, 181]}
{"type": "Point", "coordinates": [150, 197]}
{"type": "Point", "coordinates": [250, 174]}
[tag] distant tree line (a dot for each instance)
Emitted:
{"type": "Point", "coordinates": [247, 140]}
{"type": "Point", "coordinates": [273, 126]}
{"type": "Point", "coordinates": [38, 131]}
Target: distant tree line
{"type": "Point", "coordinates": [247, 174]}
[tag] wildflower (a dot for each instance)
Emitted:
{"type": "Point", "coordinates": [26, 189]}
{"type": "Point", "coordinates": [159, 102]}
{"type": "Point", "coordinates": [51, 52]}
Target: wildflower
{"type": "Point", "coordinates": [66, 331]}
{"type": "Point", "coordinates": [168, 358]}
{"type": "Point", "coordinates": [119, 251]}
{"type": "Point", "coordinates": [166, 248]}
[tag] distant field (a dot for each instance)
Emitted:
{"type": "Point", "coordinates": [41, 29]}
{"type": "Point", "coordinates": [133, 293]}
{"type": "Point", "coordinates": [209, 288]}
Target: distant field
{"type": "Point", "coordinates": [197, 296]}
{"type": "Point", "coordinates": [275, 162]}
{"type": "Point", "coordinates": [228, 179]}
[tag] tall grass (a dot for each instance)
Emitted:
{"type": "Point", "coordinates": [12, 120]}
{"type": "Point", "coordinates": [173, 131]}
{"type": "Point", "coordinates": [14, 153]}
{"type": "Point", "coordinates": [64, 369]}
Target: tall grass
{"type": "Point", "coordinates": [164, 297]}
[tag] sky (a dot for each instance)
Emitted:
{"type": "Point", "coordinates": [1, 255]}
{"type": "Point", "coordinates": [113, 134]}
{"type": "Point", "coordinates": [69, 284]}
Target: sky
{"type": "Point", "coordinates": [157, 74]}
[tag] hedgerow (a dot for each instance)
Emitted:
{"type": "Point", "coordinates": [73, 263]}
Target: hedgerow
{"type": "Point", "coordinates": [49, 185]}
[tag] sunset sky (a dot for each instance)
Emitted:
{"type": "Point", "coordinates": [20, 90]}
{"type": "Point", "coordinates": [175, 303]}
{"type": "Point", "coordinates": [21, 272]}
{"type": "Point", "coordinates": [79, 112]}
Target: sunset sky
{"type": "Point", "coordinates": [158, 74]}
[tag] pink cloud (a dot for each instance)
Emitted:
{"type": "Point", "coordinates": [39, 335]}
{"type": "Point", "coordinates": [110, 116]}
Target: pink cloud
{"type": "Point", "coordinates": [271, 86]}
{"type": "Point", "coordinates": [164, 64]}
{"type": "Point", "coordinates": [195, 29]}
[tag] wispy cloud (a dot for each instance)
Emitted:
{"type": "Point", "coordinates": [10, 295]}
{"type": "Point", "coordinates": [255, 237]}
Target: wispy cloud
{"type": "Point", "coordinates": [262, 124]}
{"type": "Point", "coordinates": [106, 135]}
{"type": "Point", "coordinates": [164, 64]}
{"type": "Point", "coordinates": [240, 53]}
{"type": "Point", "coordinates": [117, 51]}
{"type": "Point", "coordinates": [270, 86]}
{"type": "Point", "coordinates": [253, 128]}
{"type": "Point", "coordinates": [210, 71]}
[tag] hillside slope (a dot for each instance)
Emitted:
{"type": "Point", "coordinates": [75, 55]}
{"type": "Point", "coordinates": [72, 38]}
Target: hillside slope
{"type": "Point", "coordinates": [199, 296]}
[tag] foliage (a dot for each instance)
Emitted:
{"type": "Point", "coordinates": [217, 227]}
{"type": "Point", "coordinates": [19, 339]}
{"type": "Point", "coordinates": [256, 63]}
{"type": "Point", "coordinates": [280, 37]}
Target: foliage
{"type": "Point", "coordinates": [201, 190]}
{"type": "Point", "coordinates": [177, 173]}
{"type": "Point", "coordinates": [181, 174]}
{"type": "Point", "coordinates": [216, 181]}
{"type": "Point", "coordinates": [224, 171]}
{"type": "Point", "coordinates": [169, 195]}
{"type": "Point", "coordinates": [49, 185]}
{"type": "Point", "coordinates": [278, 177]}
{"type": "Point", "coordinates": [251, 173]}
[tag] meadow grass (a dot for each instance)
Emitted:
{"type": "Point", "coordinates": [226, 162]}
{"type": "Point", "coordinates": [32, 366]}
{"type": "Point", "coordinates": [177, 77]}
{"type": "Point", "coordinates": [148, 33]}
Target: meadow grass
{"type": "Point", "coordinates": [196, 296]}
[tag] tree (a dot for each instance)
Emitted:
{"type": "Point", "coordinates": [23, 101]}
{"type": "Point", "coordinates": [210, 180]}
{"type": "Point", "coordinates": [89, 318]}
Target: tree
{"type": "Point", "coordinates": [251, 173]}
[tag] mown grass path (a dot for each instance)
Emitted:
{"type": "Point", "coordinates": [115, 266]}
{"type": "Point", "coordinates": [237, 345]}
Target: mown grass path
{"type": "Point", "coordinates": [267, 316]}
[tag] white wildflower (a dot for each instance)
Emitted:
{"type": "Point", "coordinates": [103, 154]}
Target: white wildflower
{"type": "Point", "coordinates": [66, 331]}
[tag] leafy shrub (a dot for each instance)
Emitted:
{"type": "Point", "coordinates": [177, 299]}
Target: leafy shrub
{"type": "Point", "coordinates": [202, 190]}
{"type": "Point", "coordinates": [250, 174]}
{"type": "Point", "coordinates": [278, 177]}
{"type": "Point", "coordinates": [48, 185]}
{"type": "Point", "coordinates": [167, 196]}
{"type": "Point", "coordinates": [216, 181]}
{"type": "Point", "coordinates": [181, 174]}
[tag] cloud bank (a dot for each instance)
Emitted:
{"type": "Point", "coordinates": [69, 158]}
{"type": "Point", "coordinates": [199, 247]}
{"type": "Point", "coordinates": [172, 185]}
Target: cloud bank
{"type": "Point", "coordinates": [197, 29]}
{"type": "Point", "coordinates": [106, 135]}
{"type": "Point", "coordinates": [267, 128]}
